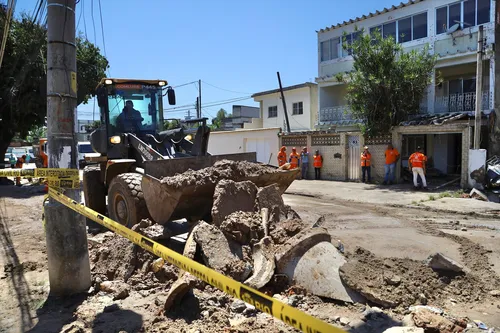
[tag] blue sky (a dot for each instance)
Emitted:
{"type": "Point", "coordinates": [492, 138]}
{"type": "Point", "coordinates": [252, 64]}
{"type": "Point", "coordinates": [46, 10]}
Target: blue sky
{"type": "Point", "coordinates": [235, 45]}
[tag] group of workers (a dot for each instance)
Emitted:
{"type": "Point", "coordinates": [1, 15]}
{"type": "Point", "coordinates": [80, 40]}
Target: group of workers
{"type": "Point", "coordinates": [416, 164]}
{"type": "Point", "coordinates": [297, 160]}
{"type": "Point", "coordinates": [17, 163]}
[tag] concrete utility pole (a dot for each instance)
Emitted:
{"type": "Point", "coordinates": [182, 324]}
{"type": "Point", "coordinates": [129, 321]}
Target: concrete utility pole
{"type": "Point", "coordinates": [479, 89]}
{"type": "Point", "coordinates": [199, 98]}
{"type": "Point", "coordinates": [67, 250]}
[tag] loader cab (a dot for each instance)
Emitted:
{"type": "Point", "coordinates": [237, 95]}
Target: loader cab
{"type": "Point", "coordinates": [128, 106]}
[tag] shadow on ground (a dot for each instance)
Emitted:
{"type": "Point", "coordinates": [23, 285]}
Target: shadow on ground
{"type": "Point", "coordinates": [14, 271]}
{"type": "Point", "coordinates": [21, 192]}
{"type": "Point", "coordinates": [375, 323]}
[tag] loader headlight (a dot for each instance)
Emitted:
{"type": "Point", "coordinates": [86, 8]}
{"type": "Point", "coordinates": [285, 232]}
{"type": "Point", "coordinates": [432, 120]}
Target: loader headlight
{"type": "Point", "coordinates": [188, 137]}
{"type": "Point", "coordinates": [162, 83]}
{"type": "Point", "coordinates": [108, 81]}
{"type": "Point", "coordinates": [115, 139]}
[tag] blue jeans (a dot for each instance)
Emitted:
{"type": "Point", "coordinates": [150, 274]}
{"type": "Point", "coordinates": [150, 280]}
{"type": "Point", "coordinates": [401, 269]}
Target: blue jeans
{"type": "Point", "coordinates": [305, 168]}
{"type": "Point", "coordinates": [389, 172]}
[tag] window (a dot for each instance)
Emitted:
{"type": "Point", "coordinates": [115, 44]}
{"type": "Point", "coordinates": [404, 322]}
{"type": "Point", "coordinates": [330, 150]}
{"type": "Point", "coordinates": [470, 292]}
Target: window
{"type": "Point", "coordinates": [405, 29]}
{"type": "Point", "coordinates": [272, 112]}
{"type": "Point", "coordinates": [330, 49]}
{"type": "Point", "coordinates": [298, 108]}
{"type": "Point", "coordinates": [348, 40]}
{"type": "Point", "coordinates": [467, 14]}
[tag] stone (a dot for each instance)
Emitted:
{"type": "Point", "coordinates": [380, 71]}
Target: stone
{"type": "Point", "coordinates": [179, 288]}
{"type": "Point", "coordinates": [404, 329]}
{"type": "Point", "coordinates": [156, 232]}
{"type": "Point", "coordinates": [219, 253]}
{"type": "Point", "coordinates": [440, 262]}
{"type": "Point", "coordinates": [238, 306]}
{"type": "Point", "coordinates": [495, 293]}
{"type": "Point", "coordinates": [119, 289]}
{"type": "Point", "coordinates": [464, 229]}
{"type": "Point", "coordinates": [74, 327]}
{"type": "Point", "coordinates": [294, 300]}
{"type": "Point", "coordinates": [312, 251]}
{"type": "Point", "coordinates": [280, 298]}
{"type": "Point", "coordinates": [422, 298]}
{"type": "Point", "coordinates": [269, 197]}
{"type": "Point", "coordinates": [392, 280]}
{"type": "Point", "coordinates": [408, 320]}
{"type": "Point", "coordinates": [230, 197]}
{"type": "Point", "coordinates": [433, 322]}
{"type": "Point", "coordinates": [263, 264]}
{"type": "Point", "coordinates": [373, 312]}
{"type": "Point", "coordinates": [344, 321]}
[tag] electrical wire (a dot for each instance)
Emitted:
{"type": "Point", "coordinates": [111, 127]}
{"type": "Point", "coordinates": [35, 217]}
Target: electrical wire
{"type": "Point", "coordinates": [232, 91]}
{"type": "Point", "coordinates": [93, 21]}
{"type": "Point", "coordinates": [10, 12]}
{"type": "Point", "coordinates": [184, 84]}
{"type": "Point", "coordinates": [84, 21]}
{"type": "Point", "coordinates": [216, 103]}
{"type": "Point", "coordinates": [207, 106]}
{"type": "Point", "coordinates": [80, 16]}
{"type": "Point", "coordinates": [102, 32]}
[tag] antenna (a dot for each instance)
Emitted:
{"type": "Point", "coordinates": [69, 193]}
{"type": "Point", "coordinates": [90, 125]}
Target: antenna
{"type": "Point", "coordinates": [453, 28]}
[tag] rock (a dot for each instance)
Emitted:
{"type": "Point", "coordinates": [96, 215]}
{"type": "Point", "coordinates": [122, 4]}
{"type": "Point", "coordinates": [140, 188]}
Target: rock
{"type": "Point", "coordinates": [423, 299]}
{"type": "Point", "coordinates": [238, 306]}
{"type": "Point", "coordinates": [344, 321]}
{"type": "Point", "coordinates": [392, 280]}
{"type": "Point", "coordinates": [263, 264]}
{"type": "Point", "coordinates": [179, 288]}
{"type": "Point", "coordinates": [250, 310]}
{"type": "Point", "coordinates": [433, 322]}
{"type": "Point", "coordinates": [270, 197]}
{"type": "Point", "coordinates": [464, 229]}
{"type": "Point", "coordinates": [293, 300]}
{"type": "Point", "coordinates": [243, 227]}
{"type": "Point", "coordinates": [408, 320]}
{"type": "Point", "coordinates": [119, 289]}
{"type": "Point", "coordinates": [280, 298]}
{"type": "Point", "coordinates": [440, 262]}
{"type": "Point", "coordinates": [219, 253]}
{"type": "Point", "coordinates": [74, 327]}
{"type": "Point", "coordinates": [373, 312]}
{"type": "Point", "coordinates": [111, 308]}
{"type": "Point", "coordinates": [230, 197]}
{"type": "Point", "coordinates": [404, 329]}
{"type": "Point", "coordinates": [495, 293]}
{"type": "Point", "coordinates": [312, 251]}
{"type": "Point", "coordinates": [156, 232]}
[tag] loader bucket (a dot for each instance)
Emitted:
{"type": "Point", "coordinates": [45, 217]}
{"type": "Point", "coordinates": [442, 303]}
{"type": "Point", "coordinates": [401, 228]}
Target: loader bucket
{"type": "Point", "coordinates": [167, 200]}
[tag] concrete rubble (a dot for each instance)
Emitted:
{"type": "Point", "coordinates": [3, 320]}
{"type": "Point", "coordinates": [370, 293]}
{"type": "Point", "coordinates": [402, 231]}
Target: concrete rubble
{"type": "Point", "coordinates": [263, 264]}
{"type": "Point", "coordinates": [230, 197]}
{"type": "Point", "coordinates": [440, 262]}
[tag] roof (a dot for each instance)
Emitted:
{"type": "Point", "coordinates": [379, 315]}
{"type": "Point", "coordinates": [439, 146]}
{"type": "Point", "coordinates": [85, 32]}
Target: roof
{"type": "Point", "coordinates": [297, 86]}
{"type": "Point", "coordinates": [364, 17]}
{"type": "Point", "coordinates": [437, 119]}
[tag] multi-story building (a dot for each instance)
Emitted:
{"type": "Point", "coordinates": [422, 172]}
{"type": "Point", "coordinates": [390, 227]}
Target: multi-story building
{"type": "Point", "coordinates": [450, 29]}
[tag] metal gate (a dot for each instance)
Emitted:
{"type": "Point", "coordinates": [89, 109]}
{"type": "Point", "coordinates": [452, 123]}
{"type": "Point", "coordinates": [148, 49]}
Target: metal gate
{"type": "Point", "coordinates": [353, 158]}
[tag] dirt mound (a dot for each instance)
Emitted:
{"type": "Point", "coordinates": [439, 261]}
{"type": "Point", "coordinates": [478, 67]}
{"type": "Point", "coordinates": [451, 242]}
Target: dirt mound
{"type": "Point", "coordinates": [116, 258]}
{"type": "Point", "coordinates": [225, 169]}
{"type": "Point", "coordinates": [394, 282]}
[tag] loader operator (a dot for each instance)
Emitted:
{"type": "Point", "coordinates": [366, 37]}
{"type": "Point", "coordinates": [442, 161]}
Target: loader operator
{"type": "Point", "coordinates": [130, 120]}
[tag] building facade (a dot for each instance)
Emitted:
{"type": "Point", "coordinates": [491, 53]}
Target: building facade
{"type": "Point", "coordinates": [301, 103]}
{"type": "Point", "coordinates": [449, 29]}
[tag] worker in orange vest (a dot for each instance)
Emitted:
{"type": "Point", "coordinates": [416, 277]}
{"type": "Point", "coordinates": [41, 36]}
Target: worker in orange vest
{"type": "Point", "coordinates": [366, 162]}
{"type": "Point", "coordinates": [282, 156]}
{"type": "Point", "coordinates": [19, 165]}
{"type": "Point", "coordinates": [317, 163]}
{"type": "Point", "coordinates": [416, 164]}
{"type": "Point", "coordinates": [294, 159]}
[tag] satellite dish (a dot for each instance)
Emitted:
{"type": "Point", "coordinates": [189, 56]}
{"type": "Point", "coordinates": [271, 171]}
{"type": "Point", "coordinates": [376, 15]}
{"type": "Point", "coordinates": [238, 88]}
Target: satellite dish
{"type": "Point", "coordinates": [453, 28]}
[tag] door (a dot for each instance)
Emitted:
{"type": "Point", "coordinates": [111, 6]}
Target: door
{"type": "Point", "coordinates": [261, 146]}
{"type": "Point", "coordinates": [353, 158]}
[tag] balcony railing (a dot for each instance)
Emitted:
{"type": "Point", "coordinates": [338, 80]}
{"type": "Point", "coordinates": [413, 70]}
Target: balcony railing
{"type": "Point", "coordinates": [460, 102]}
{"type": "Point", "coordinates": [336, 113]}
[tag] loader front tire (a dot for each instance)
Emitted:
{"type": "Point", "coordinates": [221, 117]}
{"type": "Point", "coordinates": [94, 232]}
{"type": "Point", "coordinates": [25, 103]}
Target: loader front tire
{"type": "Point", "coordinates": [94, 193]}
{"type": "Point", "coordinates": [126, 203]}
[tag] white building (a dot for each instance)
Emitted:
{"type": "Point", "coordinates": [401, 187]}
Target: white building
{"type": "Point", "coordinates": [301, 103]}
{"type": "Point", "coordinates": [450, 29]}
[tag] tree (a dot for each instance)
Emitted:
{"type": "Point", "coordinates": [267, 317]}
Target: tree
{"type": "Point", "coordinates": [171, 124]}
{"type": "Point", "coordinates": [221, 115]}
{"type": "Point", "coordinates": [23, 101]}
{"type": "Point", "coordinates": [387, 84]}
{"type": "Point", "coordinates": [93, 126]}
{"type": "Point", "coordinates": [36, 132]}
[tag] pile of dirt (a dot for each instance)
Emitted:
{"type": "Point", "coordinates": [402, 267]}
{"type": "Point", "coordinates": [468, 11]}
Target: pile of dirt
{"type": "Point", "coordinates": [225, 169]}
{"type": "Point", "coordinates": [395, 282]}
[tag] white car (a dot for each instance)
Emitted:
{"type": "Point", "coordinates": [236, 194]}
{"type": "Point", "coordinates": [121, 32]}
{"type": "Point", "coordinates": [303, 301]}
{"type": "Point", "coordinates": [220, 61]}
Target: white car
{"type": "Point", "coordinates": [83, 148]}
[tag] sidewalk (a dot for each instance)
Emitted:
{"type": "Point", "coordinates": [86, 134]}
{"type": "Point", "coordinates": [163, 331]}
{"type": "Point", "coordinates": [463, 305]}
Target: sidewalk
{"type": "Point", "coordinates": [399, 194]}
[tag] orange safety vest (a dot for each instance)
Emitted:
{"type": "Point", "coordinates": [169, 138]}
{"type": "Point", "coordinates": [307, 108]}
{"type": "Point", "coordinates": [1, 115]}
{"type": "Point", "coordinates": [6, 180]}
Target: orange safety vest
{"type": "Point", "coordinates": [417, 160]}
{"type": "Point", "coordinates": [281, 158]}
{"type": "Point", "coordinates": [318, 161]}
{"type": "Point", "coordinates": [366, 159]}
{"type": "Point", "coordinates": [294, 160]}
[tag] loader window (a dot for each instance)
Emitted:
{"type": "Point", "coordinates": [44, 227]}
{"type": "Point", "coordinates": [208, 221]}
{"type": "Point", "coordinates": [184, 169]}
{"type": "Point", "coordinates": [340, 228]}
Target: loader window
{"type": "Point", "coordinates": [134, 110]}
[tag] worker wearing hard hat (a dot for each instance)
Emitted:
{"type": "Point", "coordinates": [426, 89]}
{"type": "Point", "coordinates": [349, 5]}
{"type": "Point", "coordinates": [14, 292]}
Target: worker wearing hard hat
{"type": "Point", "coordinates": [294, 159]}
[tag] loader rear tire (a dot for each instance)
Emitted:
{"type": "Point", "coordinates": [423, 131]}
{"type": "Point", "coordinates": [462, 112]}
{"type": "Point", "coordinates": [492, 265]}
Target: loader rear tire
{"type": "Point", "coordinates": [94, 193]}
{"type": "Point", "coordinates": [126, 203]}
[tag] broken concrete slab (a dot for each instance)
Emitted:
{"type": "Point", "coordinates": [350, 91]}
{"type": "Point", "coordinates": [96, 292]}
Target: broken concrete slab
{"type": "Point", "coordinates": [243, 227]}
{"type": "Point", "coordinates": [269, 197]}
{"type": "Point", "coordinates": [230, 197]}
{"type": "Point", "coordinates": [477, 194]}
{"type": "Point", "coordinates": [433, 322]}
{"type": "Point", "coordinates": [263, 264]}
{"type": "Point", "coordinates": [312, 261]}
{"type": "Point", "coordinates": [119, 289]}
{"type": "Point", "coordinates": [404, 329]}
{"type": "Point", "coordinates": [440, 262]}
{"type": "Point", "coordinates": [220, 253]}
{"type": "Point", "coordinates": [179, 288]}
{"type": "Point", "coordinates": [156, 232]}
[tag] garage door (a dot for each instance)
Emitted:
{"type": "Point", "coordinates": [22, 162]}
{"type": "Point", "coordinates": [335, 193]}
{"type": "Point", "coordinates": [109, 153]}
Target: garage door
{"type": "Point", "coordinates": [261, 146]}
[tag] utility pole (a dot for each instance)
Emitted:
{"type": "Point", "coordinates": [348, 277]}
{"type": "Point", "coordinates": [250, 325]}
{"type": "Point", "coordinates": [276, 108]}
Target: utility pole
{"type": "Point", "coordinates": [66, 234]}
{"type": "Point", "coordinates": [199, 98]}
{"type": "Point", "coordinates": [284, 104]}
{"type": "Point", "coordinates": [479, 89]}
{"type": "Point", "coordinates": [198, 111]}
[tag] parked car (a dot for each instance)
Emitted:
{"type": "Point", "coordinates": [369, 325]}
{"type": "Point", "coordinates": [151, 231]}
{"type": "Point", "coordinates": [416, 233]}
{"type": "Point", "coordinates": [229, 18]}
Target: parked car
{"type": "Point", "coordinates": [83, 148]}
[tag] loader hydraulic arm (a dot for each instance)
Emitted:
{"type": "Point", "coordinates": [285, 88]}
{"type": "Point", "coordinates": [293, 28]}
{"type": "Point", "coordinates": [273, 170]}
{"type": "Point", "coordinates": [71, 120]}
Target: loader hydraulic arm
{"type": "Point", "coordinates": [146, 152]}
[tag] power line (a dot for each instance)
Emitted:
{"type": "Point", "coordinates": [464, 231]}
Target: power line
{"type": "Point", "coordinates": [79, 17]}
{"type": "Point", "coordinates": [93, 21]}
{"type": "Point", "coordinates": [84, 21]}
{"type": "Point", "coordinates": [10, 11]}
{"type": "Point", "coordinates": [102, 31]}
{"type": "Point", "coordinates": [236, 92]}
{"type": "Point", "coordinates": [212, 104]}
{"type": "Point", "coordinates": [184, 84]}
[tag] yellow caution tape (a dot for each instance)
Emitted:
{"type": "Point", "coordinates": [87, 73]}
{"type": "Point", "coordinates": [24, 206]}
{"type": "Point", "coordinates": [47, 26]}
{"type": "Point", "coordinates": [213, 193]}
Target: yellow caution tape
{"type": "Point", "coordinates": [288, 314]}
{"type": "Point", "coordinates": [40, 173]}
